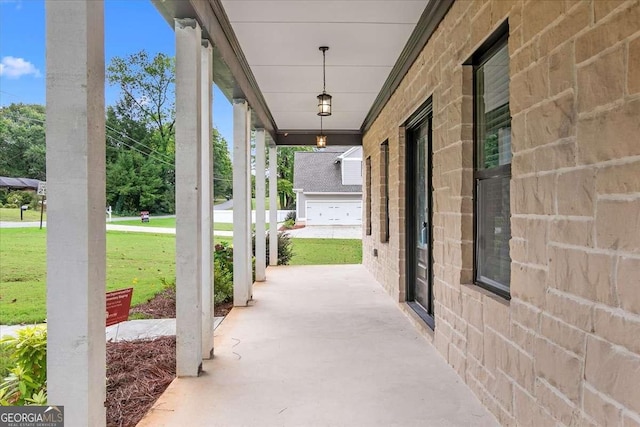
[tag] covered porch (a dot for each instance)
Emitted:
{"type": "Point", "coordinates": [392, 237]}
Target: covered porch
{"type": "Point", "coordinates": [320, 345]}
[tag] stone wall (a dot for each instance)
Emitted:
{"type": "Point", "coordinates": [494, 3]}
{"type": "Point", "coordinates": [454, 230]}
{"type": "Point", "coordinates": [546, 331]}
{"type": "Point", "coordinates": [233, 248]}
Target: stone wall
{"type": "Point", "coordinates": [566, 347]}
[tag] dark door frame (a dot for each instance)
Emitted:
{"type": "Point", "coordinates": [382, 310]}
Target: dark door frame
{"type": "Point", "coordinates": [424, 115]}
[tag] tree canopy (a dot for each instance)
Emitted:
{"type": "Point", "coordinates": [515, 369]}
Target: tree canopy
{"type": "Point", "coordinates": [141, 137]}
{"type": "Point", "coordinates": [22, 141]}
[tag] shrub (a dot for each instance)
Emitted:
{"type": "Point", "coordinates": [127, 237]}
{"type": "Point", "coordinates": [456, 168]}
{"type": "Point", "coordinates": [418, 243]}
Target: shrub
{"type": "Point", "coordinates": [223, 273]}
{"type": "Point", "coordinates": [285, 248]}
{"type": "Point", "coordinates": [288, 224]}
{"type": "Point", "coordinates": [20, 198]}
{"type": "Point", "coordinates": [290, 216]}
{"type": "Point", "coordinates": [223, 283]}
{"type": "Point", "coordinates": [26, 382]}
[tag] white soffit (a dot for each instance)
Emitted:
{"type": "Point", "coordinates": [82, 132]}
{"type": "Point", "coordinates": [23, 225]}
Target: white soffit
{"type": "Point", "coordinates": [280, 40]}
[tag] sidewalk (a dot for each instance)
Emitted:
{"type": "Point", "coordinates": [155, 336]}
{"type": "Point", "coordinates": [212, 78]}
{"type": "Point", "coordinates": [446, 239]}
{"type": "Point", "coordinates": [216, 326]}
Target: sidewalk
{"type": "Point", "coordinates": [125, 331]}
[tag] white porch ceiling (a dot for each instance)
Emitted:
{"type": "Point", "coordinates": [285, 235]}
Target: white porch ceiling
{"type": "Point", "coordinates": [280, 40]}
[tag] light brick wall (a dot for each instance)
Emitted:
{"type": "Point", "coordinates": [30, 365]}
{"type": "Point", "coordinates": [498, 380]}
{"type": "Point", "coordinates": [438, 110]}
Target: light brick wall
{"type": "Point", "coordinates": [566, 348]}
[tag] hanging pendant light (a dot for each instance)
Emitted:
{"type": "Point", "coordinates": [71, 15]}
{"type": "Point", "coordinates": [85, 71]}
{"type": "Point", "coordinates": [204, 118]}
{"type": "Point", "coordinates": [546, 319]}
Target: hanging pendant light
{"type": "Point", "coordinates": [321, 140]}
{"type": "Point", "coordinates": [324, 99]}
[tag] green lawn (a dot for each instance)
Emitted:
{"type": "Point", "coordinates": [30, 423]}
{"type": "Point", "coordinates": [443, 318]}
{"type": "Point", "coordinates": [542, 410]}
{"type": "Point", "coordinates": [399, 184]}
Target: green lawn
{"type": "Point", "coordinates": [171, 223]}
{"type": "Point", "coordinates": [266, 203]}
{"type": "Point", "coordinates": [139, 260]}
{"type": "Point", "coordinates": [153, 222]}
{"type": "Point", "coordinates": [13, 215]}
{"type": "Point", "coordinates": [326, 251]}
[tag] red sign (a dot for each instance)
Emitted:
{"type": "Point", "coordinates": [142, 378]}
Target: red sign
{"type": "Point", "coordinates": [118, 305]}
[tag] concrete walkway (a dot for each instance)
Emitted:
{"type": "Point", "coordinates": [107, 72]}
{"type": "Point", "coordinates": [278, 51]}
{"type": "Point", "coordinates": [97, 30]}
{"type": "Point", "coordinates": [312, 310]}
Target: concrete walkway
{"type": "Point", "coordinates": [321, 346]}
{"type": "Point", "coordinates": [125, 331]}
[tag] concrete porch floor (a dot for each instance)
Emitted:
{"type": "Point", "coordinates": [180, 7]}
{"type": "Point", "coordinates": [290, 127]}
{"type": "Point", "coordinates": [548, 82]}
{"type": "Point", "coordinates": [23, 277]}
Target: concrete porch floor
{"type": "Point", "coordinates": [321, 346]}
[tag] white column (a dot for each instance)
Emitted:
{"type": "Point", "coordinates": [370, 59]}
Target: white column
{"type": "Point", "coordinates": [76, 248]}
{"type": "Point", "coordinates": [249, 253]}
{"type": "Point", "coordinates": [206, 86]}
{"type": "Point", "coordinates": [241, 205]}
{"type": "Point", "coordinates": [261, 243]}
{"type": "Point", "coordinates": [188, 199]}
{"type": "Point", "coordinates": [273, 205]}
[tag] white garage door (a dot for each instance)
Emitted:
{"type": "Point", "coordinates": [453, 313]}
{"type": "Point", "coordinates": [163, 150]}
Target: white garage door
{"type": "Point", "coordinates": [334, 213]}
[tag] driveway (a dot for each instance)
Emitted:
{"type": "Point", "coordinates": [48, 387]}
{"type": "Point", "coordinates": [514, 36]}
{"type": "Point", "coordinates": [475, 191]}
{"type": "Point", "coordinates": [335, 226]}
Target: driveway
{"type": "Point", "coordinates": [327, 232]}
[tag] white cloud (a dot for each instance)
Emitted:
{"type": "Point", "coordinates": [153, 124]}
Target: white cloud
{"type": "Point", "coordinates": [14, 68]}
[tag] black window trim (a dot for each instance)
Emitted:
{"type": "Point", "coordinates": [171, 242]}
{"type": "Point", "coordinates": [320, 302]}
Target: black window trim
{"type": "Point", "coordinates": [494, 43]}
{"type": "Point", "coordinates": [368, 201]}
{"type": "Point", "coordinates": [386, 173]}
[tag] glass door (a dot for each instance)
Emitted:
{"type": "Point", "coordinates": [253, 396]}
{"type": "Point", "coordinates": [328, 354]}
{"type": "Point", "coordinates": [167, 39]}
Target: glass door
{"type": "Point", "coordinates": [419, 219]}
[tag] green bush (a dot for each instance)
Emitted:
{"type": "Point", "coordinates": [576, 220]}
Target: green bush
{"type": "Point", "coordinates": [26, 382]}
{"type": "Point", "coordinates": [223, 283]}
{"type": "Point", "coordinates": [285, 248]}
{"type": "Point", "coordinates": [20, 198]}
{"type": "Point", "coordinates": [223, 273]}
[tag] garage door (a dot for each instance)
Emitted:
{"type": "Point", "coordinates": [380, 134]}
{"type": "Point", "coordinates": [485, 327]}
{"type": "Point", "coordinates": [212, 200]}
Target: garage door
{"type": "Point", "coordinates": [334, 213]}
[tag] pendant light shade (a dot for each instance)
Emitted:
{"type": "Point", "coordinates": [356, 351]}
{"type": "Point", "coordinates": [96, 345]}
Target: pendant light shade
{"type": "Point", "coordinates": [321, 141]}
{"type": "Point", "coordinates": [324, 104]}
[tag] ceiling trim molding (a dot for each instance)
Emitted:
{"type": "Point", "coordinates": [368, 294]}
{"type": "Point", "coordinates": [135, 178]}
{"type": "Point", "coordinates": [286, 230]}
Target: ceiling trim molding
{"type": "Point", "coordinates": [307, 137]}
{"type": "Point", "coordinates": [426, 26]}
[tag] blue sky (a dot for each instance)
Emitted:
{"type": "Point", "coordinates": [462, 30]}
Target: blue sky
{"type": "Point", "coordinates": [130, 26]}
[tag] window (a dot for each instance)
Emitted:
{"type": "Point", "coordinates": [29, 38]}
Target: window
{"type": "Point", "coordinates": [367, 200]}
{"type": "Point", "coordinates": [384, 187]}
{"type": "Point", "coordinates": [492, 123]}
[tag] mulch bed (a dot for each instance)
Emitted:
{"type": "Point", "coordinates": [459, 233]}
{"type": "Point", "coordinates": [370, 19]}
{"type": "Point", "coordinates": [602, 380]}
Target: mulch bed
{"type": "Point", "coordinates": [163, 306]}
{"type": "Point", "coordinates": [139, 371]}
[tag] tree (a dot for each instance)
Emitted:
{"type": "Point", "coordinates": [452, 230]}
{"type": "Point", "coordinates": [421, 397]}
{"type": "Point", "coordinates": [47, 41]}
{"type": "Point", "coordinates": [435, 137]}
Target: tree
{"type": "Point", "coordinates": [22, 141]}
{"type": "Point", "coordinates": [140, 135]}
{"type": "Point", "coordinates": [148, 90]}
{"type": "Point", "coordinates": [222, 169]}
{"type": "Point", "coordinates": [286, 157]}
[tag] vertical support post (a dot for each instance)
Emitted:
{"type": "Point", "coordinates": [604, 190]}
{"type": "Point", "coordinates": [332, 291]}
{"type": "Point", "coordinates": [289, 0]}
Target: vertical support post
{"type": "Point", "coordinates": [76, 244]}
{"type": "Point", "coordinates": [188, 199]}
{"type": "Point", "coordinates": [241, 205]}
{"type": "Point", "coordinates": [261, 242]}
{"type": "Point", "coordinates": [249, 253]}
{"type": "Point", "coordinates": [273, 205]}
{"type": "Point", "coordinates": [206, 86]}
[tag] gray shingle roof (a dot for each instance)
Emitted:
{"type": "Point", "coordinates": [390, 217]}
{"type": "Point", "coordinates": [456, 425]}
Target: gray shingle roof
{"type": "Point", "coordinates": [18, 182]}
{"type": "Point", "coordinates": [318, 172]}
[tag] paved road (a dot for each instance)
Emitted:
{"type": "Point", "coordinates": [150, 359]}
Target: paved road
{"type": "Point", "coordinates": [224, 206]}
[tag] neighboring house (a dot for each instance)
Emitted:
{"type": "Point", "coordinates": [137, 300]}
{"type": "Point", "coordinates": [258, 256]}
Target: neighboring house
{"type": "Point", "coordinates": [328, 186]}
{"type": "Point", "coordinates": [18, 183]}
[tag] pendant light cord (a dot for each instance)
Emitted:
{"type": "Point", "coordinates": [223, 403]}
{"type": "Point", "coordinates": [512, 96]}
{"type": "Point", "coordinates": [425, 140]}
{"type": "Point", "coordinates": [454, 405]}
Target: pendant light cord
{"type": "Point", "coordinates": [324, 73]}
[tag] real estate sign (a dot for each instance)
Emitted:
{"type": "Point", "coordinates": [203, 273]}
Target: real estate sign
{"type": "Point", "coordinates": [118, 305]}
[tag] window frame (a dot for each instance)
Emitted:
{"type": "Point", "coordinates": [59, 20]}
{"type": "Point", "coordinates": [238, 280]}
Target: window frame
{"type": "Point", "coordinates": [492, 45]}
{"type": "Point", "coordinates": [384, 182]}
{"type": "Point", "coordinates": [367, 200]}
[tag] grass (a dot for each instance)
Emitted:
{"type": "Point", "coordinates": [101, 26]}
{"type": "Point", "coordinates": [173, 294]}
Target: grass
{"type": "Point", "coordinates": [171, 223]}
{"type": "Point", "coordinates": [143, 261]}
{"type": "Point", "coordinates": [326, 251]}
{"type": "Point", "coordinates": [266, 203]}
{"type": "Point", "coordinates": [13, 215]}
{"type": "Point", "coordinates": [154, 222]}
